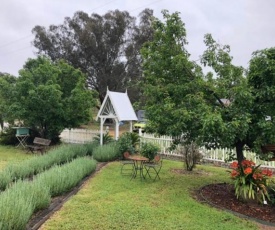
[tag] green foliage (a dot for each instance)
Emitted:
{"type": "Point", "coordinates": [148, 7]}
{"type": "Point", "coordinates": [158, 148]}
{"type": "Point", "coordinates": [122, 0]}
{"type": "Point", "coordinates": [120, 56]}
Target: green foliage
{"type": "Point", "coordinates": [250, 181]}
{"type": "Point", "coordinates": [7, 137]}
{"type": "Point", "coordinates": [40, 163]}
{"type": "Point", "coordinates": [61, 179]}
{"type": "Point", "coordinates": [95, 44]}
{"type": "Point", "coordinates": [21, 200]}
{"type": "Point", "coordinates": [90, 147]}
{"type": "Point", "coordinates": [106, 138]}
{"type": "Point", "coordinates": [191, 155]}
{"type": "Point", "coordinates": [51, 96]}
{"type": "Point", "coordinates": [172, 83]}
{"type": "Point", "coordinates": [149, 150]}
{"type": "Point", "coordinates": [108, 152]}
{"type": "Point", "coordinates": [128, 142]}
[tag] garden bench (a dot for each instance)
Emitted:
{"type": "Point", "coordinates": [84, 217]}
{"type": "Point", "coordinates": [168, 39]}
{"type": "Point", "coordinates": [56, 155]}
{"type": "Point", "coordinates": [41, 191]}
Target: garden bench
{"type": "Point", "coordinates": [39, 144]}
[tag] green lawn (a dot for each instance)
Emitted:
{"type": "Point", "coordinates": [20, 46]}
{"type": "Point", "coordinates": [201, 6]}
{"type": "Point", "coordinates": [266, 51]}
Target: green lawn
{"type": "Point", "coordinates": [112, 201]}
{"type": "Point", "coordinates": [11, 154]}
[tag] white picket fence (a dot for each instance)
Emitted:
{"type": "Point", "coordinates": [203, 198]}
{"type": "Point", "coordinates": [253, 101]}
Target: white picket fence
{"type": "Point", "coordinates": [78, 135]}
{"type": "Point", "coordinates": [164, 142]}
{"type": "Point", "coordinates": [218, 155]}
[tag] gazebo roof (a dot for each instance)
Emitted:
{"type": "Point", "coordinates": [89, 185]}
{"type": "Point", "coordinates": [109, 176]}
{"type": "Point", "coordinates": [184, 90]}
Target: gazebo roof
{"type": "Point", "coordinates": [117, 106]}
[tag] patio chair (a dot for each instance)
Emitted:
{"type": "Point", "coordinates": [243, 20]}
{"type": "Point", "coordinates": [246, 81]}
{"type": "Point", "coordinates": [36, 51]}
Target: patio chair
{"type": "Point", "coordinates": [126, 162]}
{"type": "Point", "coordinates": [153, 168]}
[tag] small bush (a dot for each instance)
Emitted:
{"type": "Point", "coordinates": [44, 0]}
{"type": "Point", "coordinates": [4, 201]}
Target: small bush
{"type": "Point", "coordinates": [41, 163]}
{"type": "Point", "coordinates": [149, 150]}
{"type": "Point", "coordinates": [108, 152]}
{"type": "Point", "coordinates": [191, 155]}
{"type": "Point", "coordinates": [107, 138]}
{"type": "Point", "coordinates": [20, 201]}
{"type": "Point", "coordinates": [7, 137]}
{"type": "Point", "coordinates": [91, 147]}
{"type": "Point", "coordinates": [128, 142]}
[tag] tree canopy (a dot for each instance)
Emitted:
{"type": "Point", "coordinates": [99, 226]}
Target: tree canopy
{"type": "Point", "coordinates": [224, 108]}
{"type": "Point", "coordinates": [51, 96]}
{"type": "Point", "coordinates": [106, 48]}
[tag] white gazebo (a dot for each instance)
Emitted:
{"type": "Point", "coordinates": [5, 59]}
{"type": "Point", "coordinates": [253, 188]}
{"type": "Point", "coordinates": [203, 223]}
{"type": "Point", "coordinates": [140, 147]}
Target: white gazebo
{"type": "Point", "coordinates": [116, 106]}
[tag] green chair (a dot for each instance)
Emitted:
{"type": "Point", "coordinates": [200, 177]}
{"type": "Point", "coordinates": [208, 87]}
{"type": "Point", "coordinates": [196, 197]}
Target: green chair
{"type": "Point", "coordinates": [153, 168]}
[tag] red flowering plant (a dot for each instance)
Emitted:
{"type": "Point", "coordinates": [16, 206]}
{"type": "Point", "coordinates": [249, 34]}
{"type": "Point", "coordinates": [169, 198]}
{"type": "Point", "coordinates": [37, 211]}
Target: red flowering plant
{"type": "Point", "coordinates": [250, 180]}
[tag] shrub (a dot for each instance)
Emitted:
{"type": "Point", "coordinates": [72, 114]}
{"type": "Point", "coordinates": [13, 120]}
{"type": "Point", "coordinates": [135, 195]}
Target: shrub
{"type": "Point", "coordinates": [191, 155]}
{"type": "Point", "coordinates": [149, 150]}
{"type": "Point", "coordinates": [90, 147]}
{"type": "Point", "coordinates": [128, 142]}
{"type": "Point", "coordinates": [106, 138]}
{"type": "Point", "coordinates": [20, 201]}
{"type": "Point", "coordinates": [7, 137]}
{"type": "Point", "coordinates": [108, 152]}
{"type": "Point", "coordinates": [41, 163]}
{"type": "Point", "coordinates": [250, 181]}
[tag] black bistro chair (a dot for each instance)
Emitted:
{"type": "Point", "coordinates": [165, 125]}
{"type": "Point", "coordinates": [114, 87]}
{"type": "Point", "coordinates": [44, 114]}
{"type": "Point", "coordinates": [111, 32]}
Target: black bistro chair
{"type": "Point", "coordinates": [126, 162]}
{"type": "Point", "coordinates": [153, 168]}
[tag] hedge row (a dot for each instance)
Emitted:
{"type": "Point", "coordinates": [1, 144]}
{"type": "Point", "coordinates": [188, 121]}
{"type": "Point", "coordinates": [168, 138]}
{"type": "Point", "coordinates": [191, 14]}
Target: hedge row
{"type": "Point", "coordinates": [40, 163]}
{"type": "Point", "coordinates": [20, 201]}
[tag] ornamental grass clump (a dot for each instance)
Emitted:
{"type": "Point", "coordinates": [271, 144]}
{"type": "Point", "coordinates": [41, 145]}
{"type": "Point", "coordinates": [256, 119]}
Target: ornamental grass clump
{"type": "Point", "coordinates": [250, 181]}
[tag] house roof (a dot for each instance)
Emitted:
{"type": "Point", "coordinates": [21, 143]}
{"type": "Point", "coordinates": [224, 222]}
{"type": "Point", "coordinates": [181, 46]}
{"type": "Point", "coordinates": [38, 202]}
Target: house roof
{"type": "Point", "coordinates": [117, 105]}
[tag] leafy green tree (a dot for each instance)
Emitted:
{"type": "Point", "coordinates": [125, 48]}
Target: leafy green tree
{"type": "Point", "coordinates": [229, 122]}
{"type": "Point", "coordinates": [174, 103]}
{"type": "Point", "coordinates": [261, 79]}
{"type": "Point", "coordinates": [106, 48]}
{"type": "Point", "coordinates": [7, 83]}
{"type": "Point", "coordinates": [51, 96]}
{"type": "Point", "coordinates": [224, 109]}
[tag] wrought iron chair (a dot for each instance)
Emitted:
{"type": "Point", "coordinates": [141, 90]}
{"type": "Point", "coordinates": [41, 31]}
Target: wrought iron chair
{"type": "Point", "coordinates": [125, 162]}
{"type": "Point", "coordinates": [153, 168]}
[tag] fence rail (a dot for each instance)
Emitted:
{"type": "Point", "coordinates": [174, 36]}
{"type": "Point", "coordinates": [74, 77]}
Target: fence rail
{"type": "Point", "coordinates": [219, 155]}
{"type": "Point", "coordinates": [164, 142]}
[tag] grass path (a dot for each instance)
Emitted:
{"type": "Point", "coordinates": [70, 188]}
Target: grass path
{"type": "Point", "coordinates": [112, 201]}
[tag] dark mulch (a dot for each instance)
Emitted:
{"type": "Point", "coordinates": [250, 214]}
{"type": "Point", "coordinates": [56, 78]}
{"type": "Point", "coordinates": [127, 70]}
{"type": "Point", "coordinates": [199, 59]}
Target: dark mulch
{"type": "Point", "coordinates": [223, 196]}
{"type": "Point", "coordinates": [57, 202]}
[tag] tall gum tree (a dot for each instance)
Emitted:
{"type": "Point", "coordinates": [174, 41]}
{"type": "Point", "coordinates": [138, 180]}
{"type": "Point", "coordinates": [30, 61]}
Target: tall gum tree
{"type": "Point", "coordinates": [104, 47]}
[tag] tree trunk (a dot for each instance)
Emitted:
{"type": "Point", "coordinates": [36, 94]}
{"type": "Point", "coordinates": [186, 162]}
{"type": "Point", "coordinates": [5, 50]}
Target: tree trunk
{"type": "Point", "coordinates": [239, 151]}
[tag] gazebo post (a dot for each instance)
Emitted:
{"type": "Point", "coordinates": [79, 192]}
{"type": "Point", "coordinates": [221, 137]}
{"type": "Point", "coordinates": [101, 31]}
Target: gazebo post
{"type": "Point", "coordinates": [131, 126]}
{"type": "Point", "coordinates": [101, 130]}
{"type": "Point", "coordinates": [117, 129]}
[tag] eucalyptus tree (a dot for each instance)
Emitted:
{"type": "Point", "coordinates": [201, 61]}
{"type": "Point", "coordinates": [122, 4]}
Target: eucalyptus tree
{"type": "Point", "coordinates": [51, 96]}
{"type": "Point", "coordinates": [105, 48]}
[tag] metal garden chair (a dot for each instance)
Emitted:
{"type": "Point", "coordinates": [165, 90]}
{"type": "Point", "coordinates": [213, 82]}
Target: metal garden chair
{"type": "Point", "coordinates": [126, 162]}
{"type": "Point", "coordinates": [153, 168]}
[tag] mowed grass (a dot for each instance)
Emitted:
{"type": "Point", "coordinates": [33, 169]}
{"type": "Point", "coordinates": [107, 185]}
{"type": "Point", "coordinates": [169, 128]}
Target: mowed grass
{"type": "Point", "coordinates": [11, 154]}
{"type": "Point", "coordinates": [113, 201]}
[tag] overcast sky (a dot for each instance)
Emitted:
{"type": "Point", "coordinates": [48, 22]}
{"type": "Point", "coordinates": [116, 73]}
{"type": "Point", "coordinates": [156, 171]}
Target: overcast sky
{"type": "Point", "coordinates": [245, 25]}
